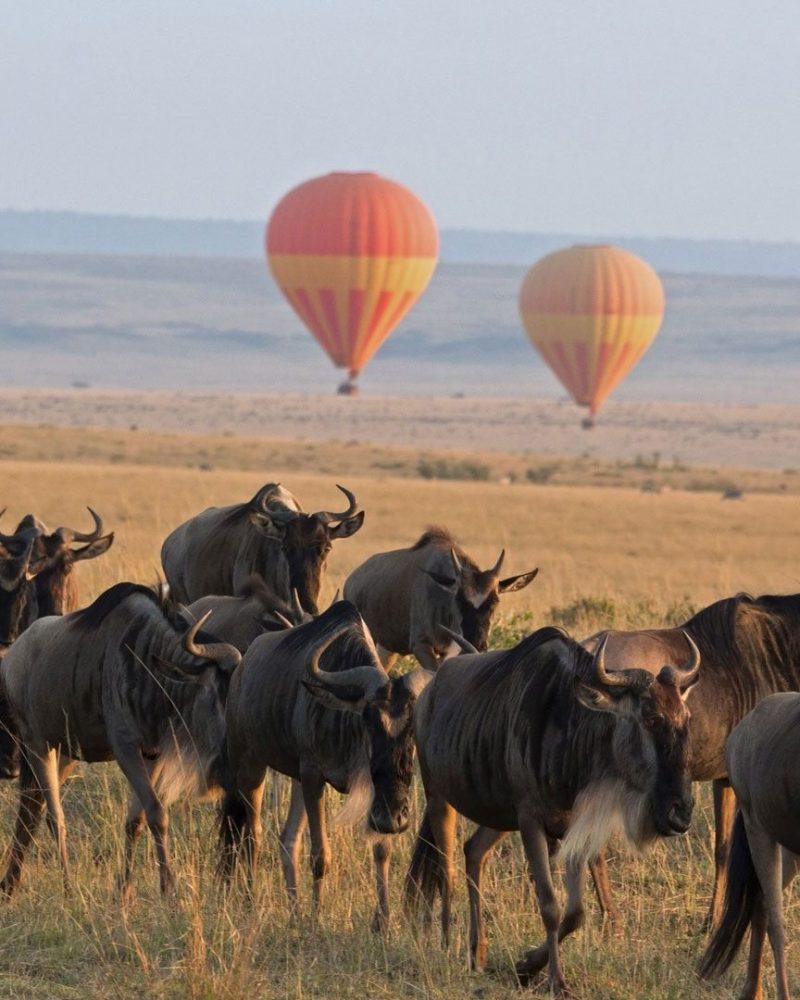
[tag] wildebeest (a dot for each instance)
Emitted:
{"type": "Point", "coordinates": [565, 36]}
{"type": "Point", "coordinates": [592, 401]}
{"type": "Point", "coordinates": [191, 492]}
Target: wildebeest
{"type": "Point", "coordinates": [215, 551]}
{"type": "Point", "coordinates": [543, 739]}
{"type": "Point", "coordinates": [406, 596]}
{"type": "Point", "coordinates": [750, 648]}
{"type": "Point", "coordinates": [56, 584]}
{"type": "Point", "coordinates": [19, 564]}
{"type": "Point", "coordinates": [254, 610]}
{"type": "Point", "coordinates": [124, 679]}
{"type": "Point", "coordinates": [762, 755]}
{"type": "Point", "coordinates": [315, 704]}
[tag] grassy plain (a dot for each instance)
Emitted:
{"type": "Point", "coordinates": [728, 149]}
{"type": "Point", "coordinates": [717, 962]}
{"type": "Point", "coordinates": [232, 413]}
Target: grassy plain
{"type": "Point", "coordinates": [608, 556]}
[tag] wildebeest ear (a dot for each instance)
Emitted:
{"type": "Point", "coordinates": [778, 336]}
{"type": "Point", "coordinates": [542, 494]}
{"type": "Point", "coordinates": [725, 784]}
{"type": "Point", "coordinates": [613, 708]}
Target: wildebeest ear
{"type": "Point", "coordinates": [595, 698]}
{"type": "Point", "coordinates": [448, 582]}
{"type": "Point", "coordinates": [95, 548]}
{"type": "Point", "coordinates": [512, 583]}
{"type": "Point", "coordinates": [348, 527]}
{"type": "Point", "coordinates": [264, 523]}
{"type": "Point", "coordinates": [325, 696]}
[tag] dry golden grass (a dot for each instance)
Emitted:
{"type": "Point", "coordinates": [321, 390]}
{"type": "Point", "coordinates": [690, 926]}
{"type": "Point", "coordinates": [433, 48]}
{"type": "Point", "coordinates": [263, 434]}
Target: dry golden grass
{"type": "Point", "coordinates": [606, 555]}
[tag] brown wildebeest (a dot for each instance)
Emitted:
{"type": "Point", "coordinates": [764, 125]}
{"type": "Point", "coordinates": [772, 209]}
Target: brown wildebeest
{"type": "Point", "coordinates": [408, 596]}
{"type": "Point", "coordinates": [750, 648]}
{"type": "Point", "coordinates": [253, 611]}
{"type": "Point", "coordinates": [543, 739]}
{"type": "Point", "coordinates": [763, 753]}
{"type": "Point", "coordinates": [19, 565]}
{"type": "Point", "coordinates": [56, 585]}
{"type": "Point", "coordinates": [124, 679]}
{"type": "Point", "coordinates": [315, 704]}
{"type": "Point", "coordinates": [215, 551]}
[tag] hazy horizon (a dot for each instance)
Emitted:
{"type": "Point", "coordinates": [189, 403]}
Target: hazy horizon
{"type": "Point", "coordinates": [627, 118]}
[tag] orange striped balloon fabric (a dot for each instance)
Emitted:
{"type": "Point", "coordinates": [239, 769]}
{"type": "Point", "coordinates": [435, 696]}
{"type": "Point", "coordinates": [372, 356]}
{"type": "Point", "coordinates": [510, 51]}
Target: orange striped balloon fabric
{"type": "Point", "coordinates": [592, 312]}
{"type": "Point", "coordinates": [352, 252]}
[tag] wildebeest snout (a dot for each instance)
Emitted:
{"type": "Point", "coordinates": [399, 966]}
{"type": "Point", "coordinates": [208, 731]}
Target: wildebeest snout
{"type": "Point", "coordinates": [382, 819]}
{"type": "Point", "coordinates": [679, 815]}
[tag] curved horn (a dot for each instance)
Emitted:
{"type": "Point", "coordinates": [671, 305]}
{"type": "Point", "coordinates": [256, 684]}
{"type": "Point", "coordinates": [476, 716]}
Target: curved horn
{"type": "Point", "coordinates": [688, 673]}
{"type": "Point", "coordinates": [282, 619]}
{"type": "Point", "coordinates": [226, 657]}
{"type": "Point", "coordinates": [326, 516]}
{"type": "Point", "coordinates": [372, 678]}
{"type": "Point", "coordinates": [496, 568]}
{"type": "Point", "coordinates": [281, 515]}
{"type": "Point", "coordinates": [463, 644]}
{"type": "Point", "coordinates": [71, 535]}
{"type": "Point", "coordinates": [617, 678]}
{"type": "Point", "coordinates": [297, 607]}
{"type": "Point", "coordinates": [456, 561]}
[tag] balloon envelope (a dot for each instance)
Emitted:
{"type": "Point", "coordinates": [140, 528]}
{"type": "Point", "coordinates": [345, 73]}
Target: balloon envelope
{"type": "Point", "coordinates": [352, 252]}
{"type": "Point", "coordinates": [592, 312]}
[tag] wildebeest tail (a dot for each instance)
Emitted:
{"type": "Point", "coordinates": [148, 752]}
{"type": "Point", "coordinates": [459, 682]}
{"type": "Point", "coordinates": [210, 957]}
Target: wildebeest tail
{"type": "Point", "coordinates": [233, 816]}
{"type": "Point", "coordinates": [742, 893]}
{"type": "Point", "coordinates": [9, 737]}
{"type": "Point", "coordinates": [426, 872]}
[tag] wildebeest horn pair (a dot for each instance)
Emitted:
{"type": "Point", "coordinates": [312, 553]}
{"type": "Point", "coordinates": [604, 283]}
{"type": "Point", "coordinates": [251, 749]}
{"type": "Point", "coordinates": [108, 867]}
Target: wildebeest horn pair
{"type": "Point", "coordinates": [371, 679]}
{"type": "Point", "coordinates": [628, 678]}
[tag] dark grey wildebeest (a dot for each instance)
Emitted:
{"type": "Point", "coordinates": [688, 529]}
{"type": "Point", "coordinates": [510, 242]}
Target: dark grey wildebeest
{"type": "Point", "coordinates": [215, 551]}
{"type": "Point", "coordinates": [124, 679]}
{"type": "Point", "coordinates": [763, 759]}
{"type": "Point", "coordinates": [315, 704]}
{"type": "Point", "coordinates": [408, 596]}
{"type": "Point", "coordinates": [750, 648]}
{"type": "Point", "coordinates": [544, 739]}
{"type": "Point", "coordinates": [253, 611]}
{"type": "Point", "coordinates": [56, 585]}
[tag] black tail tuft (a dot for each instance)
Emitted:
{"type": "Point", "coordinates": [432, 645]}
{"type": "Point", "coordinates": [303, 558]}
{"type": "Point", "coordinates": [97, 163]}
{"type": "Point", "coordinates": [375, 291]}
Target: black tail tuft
{"type": "Point", "coordinates": [233, 816]}
{"type": "Point", "coordinates": [426, 873]}
{"type": "Point", "coordinates": [742, 893]}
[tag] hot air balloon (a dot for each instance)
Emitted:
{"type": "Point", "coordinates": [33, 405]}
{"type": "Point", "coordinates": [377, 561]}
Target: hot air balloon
{"type": "Point", "coordinates": [591, 312]}
{"type": "Point", "coordinates": [352, 252]}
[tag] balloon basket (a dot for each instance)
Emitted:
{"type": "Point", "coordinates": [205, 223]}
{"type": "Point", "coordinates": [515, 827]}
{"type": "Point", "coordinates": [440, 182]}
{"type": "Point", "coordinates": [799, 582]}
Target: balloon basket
{"type": "Point", "coordinates": [348, 388]}
{"type": "Point", "coordinates": [587, 423]}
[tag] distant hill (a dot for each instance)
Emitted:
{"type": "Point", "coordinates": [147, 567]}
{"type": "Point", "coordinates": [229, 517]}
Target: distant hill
{"type": "Point", "coordinates": [72, 232]}
{"type": "Point", "coordinates": [201, 323]}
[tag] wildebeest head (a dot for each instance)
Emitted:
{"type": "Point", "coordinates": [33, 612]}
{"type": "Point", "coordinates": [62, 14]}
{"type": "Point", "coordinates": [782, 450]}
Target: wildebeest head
{"type": "Point", "coordinates": [305, 539]}
{"type": "Point", "coordinates": [385, 705]}
{"type": "Point", "coordinates": [19, 564]}
{"type": "Point", "coordinates": [476, 591]}
{"type": "Point", "coordinates": [56, 590]}
{"type": "Point", "coordinates": [650, 740]}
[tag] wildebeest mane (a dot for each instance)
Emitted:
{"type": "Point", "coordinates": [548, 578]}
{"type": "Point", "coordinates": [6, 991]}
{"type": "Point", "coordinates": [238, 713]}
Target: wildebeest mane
{"type": "Point", "coordinates": [349, 650]}
{"type": "Point", "coordinates": [752, 640]}
{"type": "Point", "coordinates": [96, 613]}
{"type": "Point", "coordinates": [438, 535]}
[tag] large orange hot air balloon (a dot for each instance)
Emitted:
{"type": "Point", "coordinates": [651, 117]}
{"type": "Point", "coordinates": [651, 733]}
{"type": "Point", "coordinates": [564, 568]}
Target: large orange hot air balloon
{"type": "Point", "coordinates": [352, 252]}
{"type": "Point", "coordinates": [592, 312]}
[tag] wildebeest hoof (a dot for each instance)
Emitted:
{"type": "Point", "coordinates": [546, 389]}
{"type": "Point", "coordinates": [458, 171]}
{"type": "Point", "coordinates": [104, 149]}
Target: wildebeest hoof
{"type": "Point", "coordinates": [380, 923]}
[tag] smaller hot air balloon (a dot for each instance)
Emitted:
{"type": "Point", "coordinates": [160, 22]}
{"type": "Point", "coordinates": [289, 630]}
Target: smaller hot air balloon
{"type": "Point", "coordinates": [591, 312]}
{"type": "Point", "coordinates": [352, 252]}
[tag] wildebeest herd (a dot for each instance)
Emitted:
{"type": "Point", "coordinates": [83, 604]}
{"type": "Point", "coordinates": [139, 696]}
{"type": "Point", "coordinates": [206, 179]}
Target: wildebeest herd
{"type": "Point", "coordinates": [230, 671]}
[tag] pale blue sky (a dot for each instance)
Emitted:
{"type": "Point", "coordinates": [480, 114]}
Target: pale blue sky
{"type": "Point", "coordinates": [629, 117]}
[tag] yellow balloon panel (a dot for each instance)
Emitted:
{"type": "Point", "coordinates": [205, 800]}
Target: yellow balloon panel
{"type": "Point", "coordinates": [591, 354]}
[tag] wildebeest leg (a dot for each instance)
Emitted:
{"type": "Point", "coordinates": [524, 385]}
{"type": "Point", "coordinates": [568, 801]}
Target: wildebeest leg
{"type": "Point", "coordinates": [49, 773]}
{"type": "Point", "coordinates": [534, 840]}
{"type": "Point", "coordinates": [291, 839]}
{"type": "Point", "coordinates": [766, 854]}
{"type": "Point", "coordinates": [724, 815]}
{"type": "Point", "coordinates": [381, 854]}
{"type": "Point", "coordinates": [602, 889]}
{"type": "Point", "coordinates": [426, 655]}
{"type": "Point", "coordinates": [476, 852]}
{"type": "Point", "coordinates": [313, 788]}
{"type": "Point", "coordinates": [758, 929]}
{"type": "Point", "coordinates": [134, 822]}
{"type": "Point", "coordinates": [443, 818]}
{"type": "Point", "coordinates": [387, 657]}
{"type": "Point", "coordinates": [136, 770]}
{"type": "Point", "coordinates": [573, 919]}
{"type": "Point", "coordinates": [29, 814]}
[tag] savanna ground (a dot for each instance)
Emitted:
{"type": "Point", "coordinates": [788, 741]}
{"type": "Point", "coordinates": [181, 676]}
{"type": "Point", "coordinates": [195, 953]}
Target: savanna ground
{"type": "Point", "coordinates": [611, 556]}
